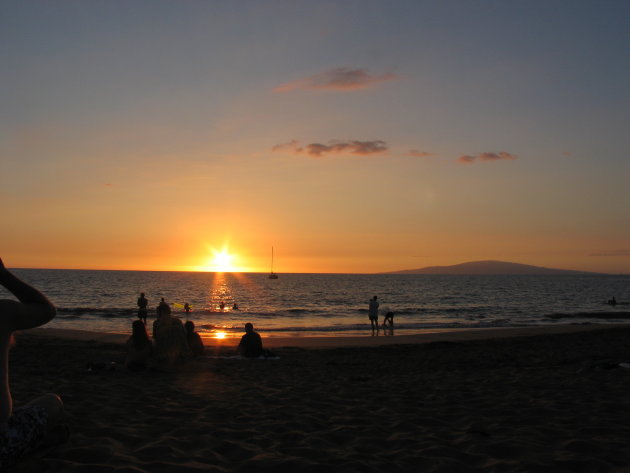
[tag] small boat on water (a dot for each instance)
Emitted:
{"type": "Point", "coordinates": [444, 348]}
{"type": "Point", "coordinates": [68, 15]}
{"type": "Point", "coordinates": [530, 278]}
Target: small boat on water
{"type": "Point", "coordinates": [272, 275]}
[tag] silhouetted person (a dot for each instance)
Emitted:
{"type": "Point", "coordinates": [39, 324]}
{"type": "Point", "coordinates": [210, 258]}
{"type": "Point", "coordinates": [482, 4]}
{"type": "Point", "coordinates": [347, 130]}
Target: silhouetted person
{"type": "Point", "coordinates": [388, 320]}
{"type": "Point", "coordinates": [613, 301]}
{"type": "Point", "coordinates": [139, 347]}
{"type": "Point", "coordinates": [222, 306]}
{"type": "Point", "coordinates": [194, 340]}
{"type": "Point", "coordinates": [163, 308]}
{"type": "Point", "coordinates": [373, 313]}
{"type": "Point", "coordinates": [170, 337]}
{"type": "Point", "coordinates": [187, 309]}
{"type": "Point", "coordinates": [251, 343]}
{"type": "Point", "coordinates": [142, 307]}
{"type": "Point", "coordinates": [25, 428]}
{"type": "Point", "coordinates": [235, 306]}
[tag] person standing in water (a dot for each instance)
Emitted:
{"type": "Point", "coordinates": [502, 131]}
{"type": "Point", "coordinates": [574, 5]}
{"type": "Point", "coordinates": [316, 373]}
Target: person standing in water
{"type": "Point", "coordinates": [142, 308]}
{"type": "Point", "coordinates": [373, 314]}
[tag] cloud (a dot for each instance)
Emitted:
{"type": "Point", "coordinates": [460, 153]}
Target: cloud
{"type": "Point", "coordinates": [419, 154]}
{"type": "Point", "coordinates": [466, 159]}
{"type": "Point", "coordinates": [362, 148]}
{"type": "Point", "coordinates": [497, 156]}
{"type": "Point", "coordinates": [340, 78]}
{"type": "Point", "coordinates": [292, 145]}
{"type": "Point", "coordinates": [488, 156]}
{"type": "Point", "coordinates": [612, 253]}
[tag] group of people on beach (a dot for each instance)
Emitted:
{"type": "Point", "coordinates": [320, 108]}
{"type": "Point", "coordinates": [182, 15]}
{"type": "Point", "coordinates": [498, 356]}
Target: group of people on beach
{"type": "Point", "coordinates": [41, 422]}
{"type": "Point", "coordinates": [388, 319]}
{"type": "Point", "coordinates": [173, 341]}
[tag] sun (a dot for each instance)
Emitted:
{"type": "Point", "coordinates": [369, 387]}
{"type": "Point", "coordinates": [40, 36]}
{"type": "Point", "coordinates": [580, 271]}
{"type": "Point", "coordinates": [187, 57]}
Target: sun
{"type": "Point", "coordinates": [222, 262]}
{"type": "Point", "coordinates": [215, 260]}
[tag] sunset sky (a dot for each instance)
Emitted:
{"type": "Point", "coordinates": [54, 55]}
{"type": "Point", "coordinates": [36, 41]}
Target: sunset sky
{"type": "Point", "coordinates": [352, 136]}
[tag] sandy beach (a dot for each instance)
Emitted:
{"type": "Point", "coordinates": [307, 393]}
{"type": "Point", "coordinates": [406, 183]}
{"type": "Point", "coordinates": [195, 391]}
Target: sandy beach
{"type": "Point", "coordinates": [506, 400]}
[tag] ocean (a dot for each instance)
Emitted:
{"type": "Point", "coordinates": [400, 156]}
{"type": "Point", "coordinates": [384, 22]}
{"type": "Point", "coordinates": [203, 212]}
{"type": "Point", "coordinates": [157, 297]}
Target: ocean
{"type": "Point", "coordinates": [328, 304]}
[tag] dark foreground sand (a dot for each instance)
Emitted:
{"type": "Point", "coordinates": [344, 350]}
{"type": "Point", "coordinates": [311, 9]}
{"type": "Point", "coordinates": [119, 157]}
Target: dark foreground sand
{"type": "Point", "coordinates": [541, 403]}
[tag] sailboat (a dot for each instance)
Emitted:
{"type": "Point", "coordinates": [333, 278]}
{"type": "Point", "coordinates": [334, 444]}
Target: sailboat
{"type": "Point", "coordinates": [272, 275]}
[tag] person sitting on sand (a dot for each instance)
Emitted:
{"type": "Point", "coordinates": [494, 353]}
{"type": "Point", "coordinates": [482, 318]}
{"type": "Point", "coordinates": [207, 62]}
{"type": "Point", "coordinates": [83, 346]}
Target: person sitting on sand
{"type": "Point", "coordinates": [139, 347]}
{"type": "Point", "coordinates": [251, 343]}
{"type": "Point", "coordinates": [170, 338]}
{"type": "Point", "coordinates": [194, 340]}
{"type": "Point", "coordinates": [39, 422]}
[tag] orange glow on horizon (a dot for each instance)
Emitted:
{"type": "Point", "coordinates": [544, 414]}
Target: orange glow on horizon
{"type": "Point", "coordinates": [222, 261]}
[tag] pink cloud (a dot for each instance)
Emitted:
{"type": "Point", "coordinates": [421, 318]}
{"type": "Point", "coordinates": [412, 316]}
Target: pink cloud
{"type": "Point", "coordinates": [362, 148]}
{"type": "Point", "coordinates": [466, 159]}
{"type": "Point", "coordinates": [497, 156]}
{"type": "Point", "coordinates": [340, 78]}
{"type": "Point", "coordinates": [487, 156]}
{"type": "Point", "coordinates": [419, 154]}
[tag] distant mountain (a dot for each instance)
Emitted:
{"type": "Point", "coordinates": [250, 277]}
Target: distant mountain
{"type": "Point", "coordinates": [488, 267]}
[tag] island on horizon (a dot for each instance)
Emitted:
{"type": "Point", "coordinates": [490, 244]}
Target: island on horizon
{"type": "Point", "coordinates": [490, 268]}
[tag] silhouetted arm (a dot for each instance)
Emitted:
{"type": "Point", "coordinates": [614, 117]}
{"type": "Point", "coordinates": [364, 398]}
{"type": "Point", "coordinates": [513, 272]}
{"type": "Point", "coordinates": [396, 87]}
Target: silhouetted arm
{"type": "Point", "coordinates": [33, 310]}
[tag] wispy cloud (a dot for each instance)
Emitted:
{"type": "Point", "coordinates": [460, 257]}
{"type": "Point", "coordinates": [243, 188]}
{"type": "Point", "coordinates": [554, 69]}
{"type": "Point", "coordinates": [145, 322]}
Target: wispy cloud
{"type": "Point", "coordinates": [340, 78]}
{"type": "Point", "coordinates": [612, 253]}
{"type": "Point", "coordinates": [317, 150]}
{"type": "Point", "coordinates": [488, 156]}
{"type": "Point", "coordinates": [419, 154]}
{"type": "Point", "coordinates": [466, 159]}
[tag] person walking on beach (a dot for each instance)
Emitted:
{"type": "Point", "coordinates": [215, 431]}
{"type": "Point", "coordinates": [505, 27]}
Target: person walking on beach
{"type": "Point", "coordinates": [373, 314]}
{"type": "Point", "coordinates": [142, 308]}
{"type": "Point", "coordinates": [39, 422]}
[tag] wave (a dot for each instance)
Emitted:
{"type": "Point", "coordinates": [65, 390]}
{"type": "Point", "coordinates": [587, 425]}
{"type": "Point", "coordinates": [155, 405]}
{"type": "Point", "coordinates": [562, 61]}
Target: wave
{"type": "Point", "coordinates": [591, 315]}
{"type": "Point", "coordinates": [400, 328]}
{"type": "Point", "coordinates": [76, 312]}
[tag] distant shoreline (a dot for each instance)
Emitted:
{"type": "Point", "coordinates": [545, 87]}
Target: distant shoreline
{"type": "Point", "coordinates": [494, 268]}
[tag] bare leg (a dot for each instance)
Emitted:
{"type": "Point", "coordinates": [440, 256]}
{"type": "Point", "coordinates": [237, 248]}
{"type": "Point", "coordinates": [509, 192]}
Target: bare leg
{"type": "Point", "coordinates": [53, 406]}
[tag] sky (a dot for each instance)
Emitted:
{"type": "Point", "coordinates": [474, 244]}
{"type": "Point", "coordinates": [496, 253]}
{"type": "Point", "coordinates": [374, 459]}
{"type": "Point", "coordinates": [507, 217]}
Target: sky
{"type": "Point", "coordinates": [350, 136]}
